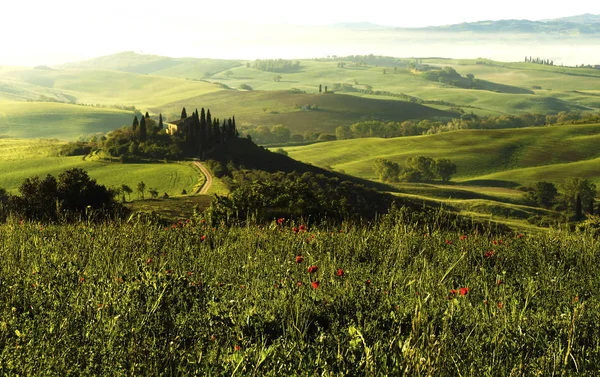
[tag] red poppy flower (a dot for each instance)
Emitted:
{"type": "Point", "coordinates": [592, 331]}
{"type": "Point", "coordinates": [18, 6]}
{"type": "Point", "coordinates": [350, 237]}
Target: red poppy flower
{"type": "Point", "coordinates": [202, 238]}
{"type": "Point", "coordinates": [448, 242]}
{"type": "Point", "coordinates": [520, 235]}
{"type": "Point", "coordinates": [312, 269]}
{"type": "Point", "coordinates": [237, 348]}
{"type": "Point", "coordinates": [295, 230]}
{"type": "Point", "coordinates": [299, 259]}
{"type": "Point", "coordinates": [149, 261]}
{"type": "Point", "coordinates": [302, 228]}
{"type": "Point", "coordinates": [490, 254]}
{"type": "Point", "coordinates": [315, 284]}
{"type": "Point", "coordinates": [464, 291]}
{"type": "Point", "coordinates": [463, 237]}
{"type": "Point", "coordinates": [453, 291]}
{"type": "Point", "coordinates": [299, 284]}
{"type": "Point", "coordinates": [368, 281]}
{"type": "Point", "coordinates": [500, 306]}
{"type": "Point", "coordinates": [280, 220]}
{"type": "Point", "coordinates": [190, 273]}
{"type": "Point", "coordinates": [340, 272]}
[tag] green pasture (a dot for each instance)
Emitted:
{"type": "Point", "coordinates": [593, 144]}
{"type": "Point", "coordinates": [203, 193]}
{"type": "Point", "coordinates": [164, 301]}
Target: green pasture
{"type": "Point", "coordinates": [504, 158]}
{"type": "Point", "coordinates": [58, 120]}
{"type": "Point", "coordinates": [99, 86]}
{"type": "Point", "coordinates": [290, 108]}
{"type": "Point", "coordinates": [170, 178]}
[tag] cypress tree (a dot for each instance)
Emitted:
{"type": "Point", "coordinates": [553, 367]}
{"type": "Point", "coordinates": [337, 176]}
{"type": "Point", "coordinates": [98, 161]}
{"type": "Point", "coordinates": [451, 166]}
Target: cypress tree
{"type": "Point", "coordinates": [183, 114]}
{"type": "Point", "coordinates": [160, 122]}
{"type": "Point", "coordinates": [234, 132]}
{"type": "Point", "coordinates": [143, 129]}
{"type": "Point", "coordinates": [135, 124]}
{"type": "Point", "coordinates": [147, 115]}
{"type": "Point", "coordinates": [320, 88]}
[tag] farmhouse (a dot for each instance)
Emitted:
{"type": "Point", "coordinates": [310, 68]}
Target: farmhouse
{"type": "Point", "coordinates": [179, 125]}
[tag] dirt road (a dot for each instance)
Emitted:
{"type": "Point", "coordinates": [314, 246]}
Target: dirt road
{"type": "Point", "coordinates": [204, 189]}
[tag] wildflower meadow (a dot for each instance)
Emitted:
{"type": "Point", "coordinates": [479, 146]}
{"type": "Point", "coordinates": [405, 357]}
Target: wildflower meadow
{"type": "Point", "coordinates": [291, 298]}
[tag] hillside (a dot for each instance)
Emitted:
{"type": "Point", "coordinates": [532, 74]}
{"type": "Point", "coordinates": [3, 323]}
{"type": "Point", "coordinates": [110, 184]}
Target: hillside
{"type": "Point", "coordinates": [327, 112]}
{"type": "Point", "coordinates": [20, 159]}
{"type": "Point", "coordinates": [96, 86]}
{"type": "Point", "coordinates": [129, 61]}
{"type": "Point", "coordinates": [501, 158]}
{"type": "Point", "coordinates": [57, 120]}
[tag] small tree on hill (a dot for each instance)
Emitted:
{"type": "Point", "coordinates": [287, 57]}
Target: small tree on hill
{"type": "Point", "coordinates": [543, 194]}
{"type": "Point", "coordinates": [443, 168]}
{"type": "Point", "coordinates": [160, 122]}
{"type": "Point", "coordinates": [183, 114]}
{"type": "Point", "coordinates": [153, 193]}
{"type": "Point", "coordinates": [135, 124]}
{"type": "Point", "coordinates": [387, 170]}
{"type": "Point", "coordinates": [141, 187]}
{"type": "Point", "coordinates": [126, 190]}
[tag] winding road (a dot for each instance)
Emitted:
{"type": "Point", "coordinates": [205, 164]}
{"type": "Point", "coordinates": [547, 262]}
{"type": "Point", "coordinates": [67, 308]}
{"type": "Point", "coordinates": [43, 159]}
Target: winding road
{"type": "Point", "coordinates": [204, 189]}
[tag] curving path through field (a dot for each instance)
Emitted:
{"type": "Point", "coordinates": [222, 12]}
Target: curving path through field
{"type": "Point", "coordinates": [204, 189]}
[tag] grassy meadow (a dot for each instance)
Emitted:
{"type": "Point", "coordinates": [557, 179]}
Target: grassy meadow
{"type": "Point", "coordinates": [389, 298]}
{"type": "Point", "coordinates": [501, 158]}
{"type": "Point", "coordinates": [20, 159]}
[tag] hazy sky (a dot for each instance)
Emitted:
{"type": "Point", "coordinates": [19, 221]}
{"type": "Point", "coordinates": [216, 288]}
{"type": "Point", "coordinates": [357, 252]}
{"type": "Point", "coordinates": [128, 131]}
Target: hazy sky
{"type": "Point", "coordinates": [50, 32]}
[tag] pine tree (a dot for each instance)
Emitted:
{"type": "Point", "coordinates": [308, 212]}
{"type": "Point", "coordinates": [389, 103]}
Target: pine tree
{"type": "Point", "coordinates": [183, 114]}
{"type": "Point", "coordinates": [160, 122]}
{"type": "Point", "coordinates": [143, 130]}
{"type": "Point", "coordinates": [135, 124]}
{"type": "Point", "coordinates": [147, 115]}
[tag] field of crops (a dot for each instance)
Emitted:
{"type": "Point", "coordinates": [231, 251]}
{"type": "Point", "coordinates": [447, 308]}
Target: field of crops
{"type": "Point", "coordinates": [290, 298]}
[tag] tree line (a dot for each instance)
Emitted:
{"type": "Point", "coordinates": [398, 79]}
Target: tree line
{"type": "Point", "coordinates": [418, 169]}
{"type": "Point", "coordinates": [276, 65]}
{"type": "Point", "coordinates": [72, 196]}
{"type": "Point", "coordinates": [191, 136]}
{"type": "Point", "coordinates": [539, 61]}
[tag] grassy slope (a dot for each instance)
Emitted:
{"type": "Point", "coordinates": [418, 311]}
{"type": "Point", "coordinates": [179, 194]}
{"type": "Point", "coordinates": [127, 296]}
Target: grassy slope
{"type": "Point", "coordinates": [129, 61]}
{"type": "Point", "coordinates": [103, 86]}
{"type": "Point", "coordinates": [281, 107]}
{"type": "Point", "coordinates": [57, 120]}
{"type": "Point", "coordinates": [20, 159]}
{"type": "Point", "coordinates": [556, 94]}
{"type": "Point", "coordinates": [504, 158]}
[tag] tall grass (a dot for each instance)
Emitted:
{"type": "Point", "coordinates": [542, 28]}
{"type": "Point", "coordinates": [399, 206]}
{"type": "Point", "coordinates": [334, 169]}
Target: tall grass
{"type": "Point", "coordinates": [138, 299]}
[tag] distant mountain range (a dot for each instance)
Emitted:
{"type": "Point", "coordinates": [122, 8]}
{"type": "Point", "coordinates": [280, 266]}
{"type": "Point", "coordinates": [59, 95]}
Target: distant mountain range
{"type": "Point", "coordinates": [574, 25]}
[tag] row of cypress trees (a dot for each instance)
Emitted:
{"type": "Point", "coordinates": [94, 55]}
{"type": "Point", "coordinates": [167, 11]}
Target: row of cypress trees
{"type": "Point", "coordinates": [203, 132]}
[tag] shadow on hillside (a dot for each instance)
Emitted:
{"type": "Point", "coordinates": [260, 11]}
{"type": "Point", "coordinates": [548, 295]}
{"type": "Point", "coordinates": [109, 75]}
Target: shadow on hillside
{"type": "Point", "coordinates": [491, 183]}
{"type": "Point", "coordinates": [501, 88]}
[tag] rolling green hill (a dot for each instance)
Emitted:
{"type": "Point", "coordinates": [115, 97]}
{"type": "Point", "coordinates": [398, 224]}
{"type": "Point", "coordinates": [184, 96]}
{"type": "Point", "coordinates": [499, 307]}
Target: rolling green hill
{"type": "Point", "coordinates": [58, 120]}
{"type": "Point", "coordinates": [20, 159]}
{"type": "Point", "coordinates": [97, 86]}
{"type": "Point", "coordinates": [129, 61]}
{"type": "Point", "coordinates": [286, 107]}
{"type": "Point", "coordinates": [502, 158]}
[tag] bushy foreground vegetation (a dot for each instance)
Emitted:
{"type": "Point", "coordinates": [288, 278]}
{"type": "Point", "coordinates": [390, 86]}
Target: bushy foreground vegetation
{"type": "Point", "coordinates": [400, 296]}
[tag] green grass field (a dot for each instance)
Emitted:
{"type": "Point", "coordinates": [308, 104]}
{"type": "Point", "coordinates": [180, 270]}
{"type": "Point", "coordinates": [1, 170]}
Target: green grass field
{"type": "Point", "coordinates": [391, 298]}
{"type": "Point", "coordinates": [58, 120]}
{"type": "Point", "coordinates": [20, 159]}
{"type": "Point", "coordinates": [502, 158]}
{"type": "Point", "coordinates": [285, 107]}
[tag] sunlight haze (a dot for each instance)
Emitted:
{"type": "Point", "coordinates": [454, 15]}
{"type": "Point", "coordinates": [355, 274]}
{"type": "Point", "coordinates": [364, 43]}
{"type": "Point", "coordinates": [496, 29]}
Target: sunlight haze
{"type": "Point", "coordinates": [36, 32]}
